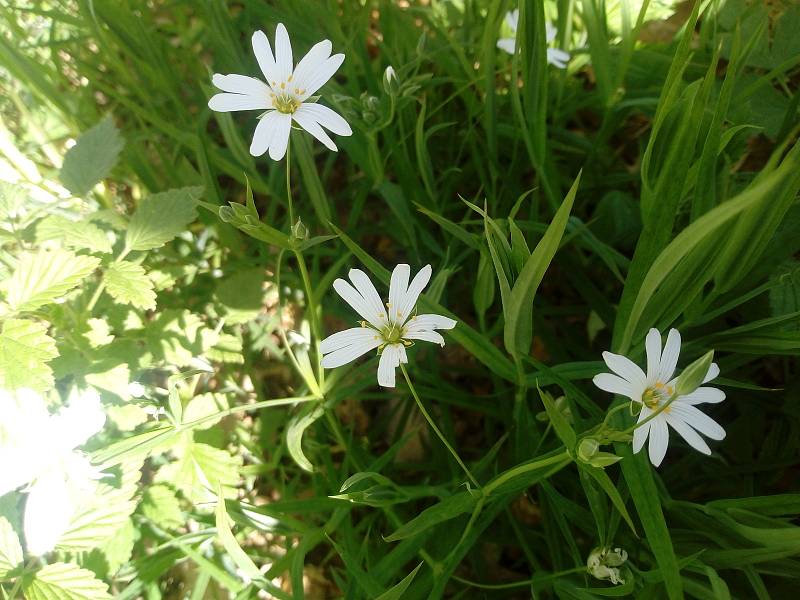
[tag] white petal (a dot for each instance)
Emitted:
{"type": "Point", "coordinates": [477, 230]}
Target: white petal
{"type": "Point", "coordinates": [409, 301]}
{"type": "Point", "coordinates": [625, 368]}
{"type": "Point", "coordinates": [398, 286]}
{"type": "Point", "coordinates": [328, 118]}
{"type": "Point", "coordinates": [348, 337]}
{"type": "Point", "coordinates": [669, 358]}
{"type": "Point", "coordinates": [557, 58]}
{"type": "Point", "coordinates": [713, 373]}
{"type": "Point", "coordinates": [321, 75]}
{"type": "Point", "coordinates": [357, 302]}
{"type": "Point", "coordinates": [550, 32]}
{"type": "Point", "coordinates": [241, 84]}
{"type": "Point", "coordinates": [342, 356]}
{"type": "Point", "coordinates": [283, 53]}
{"type": "Point", "coordinates": [427, 321]}
{"type": "Point", "coordinates": [280, 136]}
{"type": "Point", "coordinates": [231, 102]}
{"type": "Point", "coordinates": [390, 360]}
{"type": "Point", "coordinates": [507, 44]}
{"type": "Point", "coordinates": [266, 60]}
{"type": "Point", "coordinates": [688, 434]}
{"type": "Point", "coordinates": [697, 419]}
{"type": "Point", "coordinates": [265, 131]}
{"type": "Point", "coordinates": [403, 355]}
{"type": "Point", "coordinates": [363, 284]}
{"type": "Point", "coordinates": [306, 120]}
{"type": "Point", "coordinates": [652, 346]}
{"type": "Point", "coordinates": [310, 63]}
{"type": "Point", "coordinates": [512, 19]}
{"type": "Point", "coordinates": [659, 440]}
{"type": "Point", "coordinates": [703, 395]}
{"type": "Point", "coordinates": [615, 384]}
{"type": "Point", "coordinates": [48, 512]}
{"type": "Point", "coordinates": [75, 423]}
{"type": "Point", "coordinates": [425, 336]}
{"type": "Point", "coordinates": [640, 433]}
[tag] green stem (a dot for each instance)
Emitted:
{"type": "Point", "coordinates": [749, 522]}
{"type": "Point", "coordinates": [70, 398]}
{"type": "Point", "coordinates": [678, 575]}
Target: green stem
{"type": "Point", "coordinates": [516, 584]}
{"type": "Point", "coordinates": [522, 469]}
{"type": "Point", "coordinates": [436, 430]}
{"type": "Point", "coordinates": [652, 415]}
{"type": "Point", "coordinates": [289, 182]}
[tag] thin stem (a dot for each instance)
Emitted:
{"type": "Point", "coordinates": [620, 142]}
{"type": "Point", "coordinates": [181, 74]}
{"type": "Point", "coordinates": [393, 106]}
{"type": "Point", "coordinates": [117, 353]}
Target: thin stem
{"type": "Point", "coordinates": [516, 584]}
{"type": "Point", "coordinates": [289, 182]}
{"type": "Point", "coordinates": [436, 429]}
{"type": "Point", "coordinates": [316, 330]}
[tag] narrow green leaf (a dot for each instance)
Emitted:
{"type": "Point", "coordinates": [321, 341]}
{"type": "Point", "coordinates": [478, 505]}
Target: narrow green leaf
{"type": "Point", "coordinates": [294, 435]}
{"type": "Point", "coordinates": [518, 330]}
{"type": "Point", "coordinates": [225, 535]}
{"type": "Point", "coordinates": [396, 591]}
{"type": "Point", "coordinates": [447, 509]}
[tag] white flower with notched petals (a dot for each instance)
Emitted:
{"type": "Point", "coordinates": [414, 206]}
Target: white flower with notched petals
{"type": "Point", "coordinates": [39, 450]}
{"type": "Point", "coordinates": [654, 389]}
{"type": "Point", "coordinates": [390, 328]}
{"type": "Point", "coordinates": [556, 57]}
{"type": "Point", "coordinates": [286, 95]}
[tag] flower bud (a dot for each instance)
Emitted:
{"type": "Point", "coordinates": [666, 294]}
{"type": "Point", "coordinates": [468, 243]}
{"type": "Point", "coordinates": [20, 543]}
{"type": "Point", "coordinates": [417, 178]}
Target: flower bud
{"type": "Point", "coordinates": [391, 84]}
{"type": "Point", "coordinates": [299, 231]}
{"type": "Point", "coordinates": [587, 449]}
{"type": "Point", "coordinates": [692, 376]}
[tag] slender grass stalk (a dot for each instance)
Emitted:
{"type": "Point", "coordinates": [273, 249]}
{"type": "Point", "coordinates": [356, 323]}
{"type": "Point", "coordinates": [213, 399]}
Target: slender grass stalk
{"type": "Point", "coordinates": [436, 430]}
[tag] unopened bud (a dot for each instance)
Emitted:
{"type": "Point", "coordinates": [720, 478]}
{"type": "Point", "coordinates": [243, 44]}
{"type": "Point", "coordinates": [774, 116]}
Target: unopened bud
{"type": "Point", "coordinates": [604, 563]}
{"type": "Point", "coordinates": [299, 231]}
{"type": "Point", "coordinates": [391, 84]}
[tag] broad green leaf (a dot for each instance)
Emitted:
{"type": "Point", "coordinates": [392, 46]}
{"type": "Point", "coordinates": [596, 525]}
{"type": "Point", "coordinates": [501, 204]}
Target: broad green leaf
{"type": "Point", "coordinates": [396, 591]}
{"type": "Point", "coordinates": [225, 535]}
{"type": "Point", "coordinates": [64, 581]}
{"type": "Point", "coordinates": [128, 283]}
{"type": "Point", "coordinates": [200, 469]}
{"type": "Point", "coordinates": [43, 277]}
{"type": "Point", "coordinates": [205, 405]}
{"type": "Point", "coordinates": [447, 509]}
{"type": "Point", "coordinates": [10, 549]}
{"type": "Point", "coordinates": [294, 435]}
{"type": "Point", "coordinates": [25, 349]}
{"type": "Point", "coordinates": [161, 505]}
{"type": "Point", "coordinates": [80, 235]}
{"type": "Point", "coordinates": [103, 511]}
{"type": "Point", "coordinates": [91, 158]}
{"type": "Point", "coordinates": [161, 217]}
{"type": "Point", "coordinates": [518, 330]}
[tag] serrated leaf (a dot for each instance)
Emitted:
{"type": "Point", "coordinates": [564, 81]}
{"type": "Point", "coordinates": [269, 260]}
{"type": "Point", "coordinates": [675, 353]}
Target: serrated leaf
{"type": "Point", "coordinates": [128, 283]}
{"type": "Point", "coordinates": [64, 581]}
{"type": "Point", "coordinates": [91, 158]}
{"type": "Point", "coordinates": [10, 548]}
{"type": "Point", "coordinates": [25, 349]}
{"type": "Point", "coordinates": [81, 235]}
{"type": "Point", "coordinates": [105, 510]}
{"type": "Point", "coordinates": [199, 469]}
{"type": "Point", "coordinates": [161, 505]}
{"type": "Point", "coordinates": [161, 217]}
{"type": "Point", "coordinates": [45, 276]}
{"type": "Point", "coordinates": [205, 405]}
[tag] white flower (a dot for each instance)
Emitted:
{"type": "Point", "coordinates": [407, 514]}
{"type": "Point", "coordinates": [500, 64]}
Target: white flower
{"type": "Point", "coordinates": [286, 95]}
{"type": "Point", "coordinates": [390, 328]}
{"type": "Point", "coordinates": [604, 563]}
{"type": "Point", "coordinates": [38, 449]}
{"type": "Point", "coordinates": [556, 57]}
{"type": "Point", "coordinates": [655, 388]}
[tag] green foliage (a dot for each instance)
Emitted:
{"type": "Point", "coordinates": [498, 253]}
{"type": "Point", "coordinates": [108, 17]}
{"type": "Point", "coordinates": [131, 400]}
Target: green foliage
{"type": "Point", "coordinates": [65, 581]}
{"type": "Point", "coordinates": [91, 158]}
{"type": "Point", "coordinates": [43, 277]}
{"type": "Point", "coordinates": [652, 183]}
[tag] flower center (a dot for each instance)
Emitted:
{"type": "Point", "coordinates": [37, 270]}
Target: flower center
{"type": "Point", "coordinates": [656, 394]}
{"type": "Point", "coordinates": [285, 103]}
{"type": "Point", "coordinates": [392, 334]}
